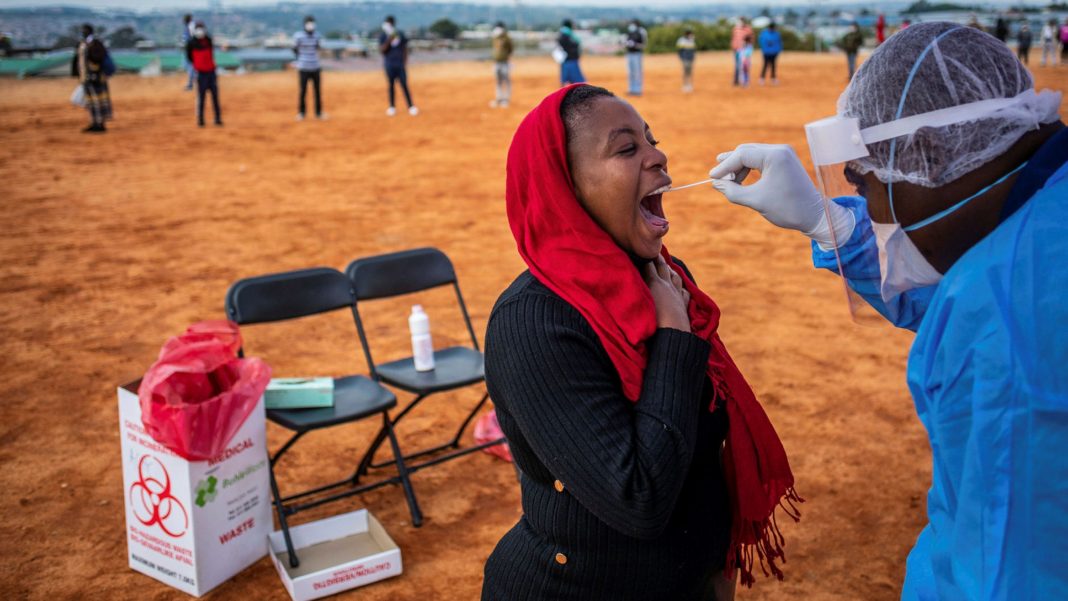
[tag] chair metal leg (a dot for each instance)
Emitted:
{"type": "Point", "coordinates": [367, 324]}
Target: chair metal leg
{"type": "Point", "coordinates": [452, 444]}
{"type": "Point", "coordinates": [365, 461]}
{"type": "Point", "coordinates": [293, 560]}
{"type": "Point", "coordinates": [286, 446]}
{"type": "Point", "coordinates": [368, 459]}
{"type": "Point", "coordinates": [470, 416]}
{"type": "Point", "coordinates": [402, 470]}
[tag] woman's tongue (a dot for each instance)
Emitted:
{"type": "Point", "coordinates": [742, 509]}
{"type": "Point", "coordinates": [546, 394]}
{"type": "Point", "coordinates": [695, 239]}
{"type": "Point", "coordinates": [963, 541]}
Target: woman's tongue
{"type": "Point", "coordinates": [646, 207]}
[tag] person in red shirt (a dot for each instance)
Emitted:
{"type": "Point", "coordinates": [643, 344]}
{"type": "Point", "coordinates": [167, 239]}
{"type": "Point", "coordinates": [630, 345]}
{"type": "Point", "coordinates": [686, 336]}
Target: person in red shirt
{"type": "Point", "coordinates": [880, 29]}
{"type": "Point", "coordinates": [738, 34]}
{"type": "Point", "coordinates": [201, 55]}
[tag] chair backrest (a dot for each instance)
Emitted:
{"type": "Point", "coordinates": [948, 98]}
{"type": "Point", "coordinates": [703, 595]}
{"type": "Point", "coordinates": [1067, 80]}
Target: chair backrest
{"type": "Point", "coordinates": [393, 274]}
{"type": "Point", "coordinates": [288, 295]}
{"type": "Point", "coordinates": [404, 272]}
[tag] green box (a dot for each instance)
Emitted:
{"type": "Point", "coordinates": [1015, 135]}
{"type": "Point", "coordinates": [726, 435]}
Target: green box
{"type": "Point", "coordinates": [299, 393]}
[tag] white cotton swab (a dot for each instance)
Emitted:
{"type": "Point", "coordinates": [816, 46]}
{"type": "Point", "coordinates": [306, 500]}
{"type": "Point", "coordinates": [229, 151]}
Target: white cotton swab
{"type": "Point", "coordinates": [677, 188]}
{"type": "Point", "coordinates": [730, 177]}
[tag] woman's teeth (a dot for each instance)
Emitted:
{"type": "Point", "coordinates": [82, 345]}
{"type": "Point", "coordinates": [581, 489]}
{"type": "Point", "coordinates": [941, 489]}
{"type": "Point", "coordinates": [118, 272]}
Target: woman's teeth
{"type": "Point", "coordinates": [660, 190]}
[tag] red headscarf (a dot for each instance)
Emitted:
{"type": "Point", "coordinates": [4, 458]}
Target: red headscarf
{"type": "Point", "coordinates": [568, 252]}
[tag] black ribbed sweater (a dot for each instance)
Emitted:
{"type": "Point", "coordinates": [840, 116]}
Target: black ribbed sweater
{"type": "Point", "coordinates": [621, 500]}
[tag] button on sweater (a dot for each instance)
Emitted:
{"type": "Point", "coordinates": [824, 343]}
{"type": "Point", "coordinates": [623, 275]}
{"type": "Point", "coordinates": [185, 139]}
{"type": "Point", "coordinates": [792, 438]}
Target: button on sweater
{"type": "Point", "coordinates": [621, 500]}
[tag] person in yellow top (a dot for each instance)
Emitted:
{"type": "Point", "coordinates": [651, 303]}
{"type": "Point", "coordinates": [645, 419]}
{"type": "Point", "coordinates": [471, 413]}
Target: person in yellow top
{"type": "Point", "coordinates": [502, 51]}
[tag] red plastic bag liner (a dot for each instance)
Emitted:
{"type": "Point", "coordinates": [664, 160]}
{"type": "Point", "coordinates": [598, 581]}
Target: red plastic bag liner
{"type": "Point", "coordinates": [488, 429]}
{"type": "Point", "coordinates": [196, 396]}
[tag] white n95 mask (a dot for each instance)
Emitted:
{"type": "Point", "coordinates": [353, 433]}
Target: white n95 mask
{"type": "Point", "coordinates": [902, 266]}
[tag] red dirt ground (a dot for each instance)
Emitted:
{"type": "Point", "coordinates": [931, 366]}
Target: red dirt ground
{"type": "Point", "coordinates": [114, 243]}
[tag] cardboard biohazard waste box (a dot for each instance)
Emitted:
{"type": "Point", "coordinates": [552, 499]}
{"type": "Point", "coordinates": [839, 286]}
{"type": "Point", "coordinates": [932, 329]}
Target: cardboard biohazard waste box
{"type": "Point", "coordinates": [194, 524]}
{"type": "Point", "coordinates": [336, 554]}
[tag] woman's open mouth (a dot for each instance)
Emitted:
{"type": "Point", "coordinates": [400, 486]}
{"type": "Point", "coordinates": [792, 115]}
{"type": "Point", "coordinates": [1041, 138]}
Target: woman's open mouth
{"type": "Point", "coordinates": [652, 209]}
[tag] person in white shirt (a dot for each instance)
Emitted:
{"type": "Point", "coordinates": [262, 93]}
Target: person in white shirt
{"type": "Point", "coordinates": [306, 48]}
{"type": "Point", "coordinates": [1049, 42]}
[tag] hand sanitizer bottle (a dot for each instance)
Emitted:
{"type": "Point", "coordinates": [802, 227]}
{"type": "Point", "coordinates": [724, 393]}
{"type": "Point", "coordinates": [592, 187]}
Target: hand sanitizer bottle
{"type": "Point", "coordinates": [422, 347]}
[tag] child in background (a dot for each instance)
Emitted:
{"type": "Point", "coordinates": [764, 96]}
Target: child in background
{"type": "Point", "coordinates": [687, 47]}
{"type": "Point", "coordinates": [745, 56]}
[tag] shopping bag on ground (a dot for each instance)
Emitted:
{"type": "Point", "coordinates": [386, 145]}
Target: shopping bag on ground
{"type": "Point", "coordinates": [198, 393]}
{"type": "Point", "coordinates": [488, 429]}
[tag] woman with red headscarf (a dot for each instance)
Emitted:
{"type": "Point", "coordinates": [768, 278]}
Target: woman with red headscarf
{"type": "Point", "coordinates": [648, 468]}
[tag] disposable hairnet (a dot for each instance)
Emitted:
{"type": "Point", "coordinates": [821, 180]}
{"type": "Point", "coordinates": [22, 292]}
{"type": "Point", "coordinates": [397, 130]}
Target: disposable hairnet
{"type": "Point", "coordinates": [965, 65]}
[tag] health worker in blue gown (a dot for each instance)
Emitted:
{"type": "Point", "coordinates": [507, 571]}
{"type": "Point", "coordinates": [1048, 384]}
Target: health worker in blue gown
{"type": "Point", "coordinates": [942, 200]}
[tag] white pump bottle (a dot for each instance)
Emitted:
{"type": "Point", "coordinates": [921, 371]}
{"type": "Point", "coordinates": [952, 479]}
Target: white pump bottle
{"type": "Point", "coordinates": [422, 346]}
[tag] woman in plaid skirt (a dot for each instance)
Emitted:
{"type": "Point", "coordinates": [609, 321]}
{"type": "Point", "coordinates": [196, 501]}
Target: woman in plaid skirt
{"type": "Point", "coordinates": [88, 67]}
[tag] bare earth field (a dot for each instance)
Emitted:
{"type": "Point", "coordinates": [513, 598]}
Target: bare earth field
{"type": "Point", "coordinates": [111, 244]}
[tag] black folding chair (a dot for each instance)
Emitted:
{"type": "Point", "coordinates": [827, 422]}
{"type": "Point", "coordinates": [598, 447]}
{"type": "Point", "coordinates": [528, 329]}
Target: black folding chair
{"type": "Point", "coordinates": [405, 272]}
{"type": "Point", "coordinates": [294, 294]}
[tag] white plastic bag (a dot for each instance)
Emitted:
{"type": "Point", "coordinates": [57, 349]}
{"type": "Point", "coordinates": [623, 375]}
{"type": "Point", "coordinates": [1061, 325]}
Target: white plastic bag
{"type": "Point", "coordinates": [77, 97]}
{"type": "Point", "coordinates": [559, 55]}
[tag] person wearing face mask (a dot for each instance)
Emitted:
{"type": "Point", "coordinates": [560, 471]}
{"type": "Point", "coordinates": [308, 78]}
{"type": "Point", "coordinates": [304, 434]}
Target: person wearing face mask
{"type": "Point", "coordinates": [306, 48]}
{"type": "Point", "coordinates": [502, 51]}
{"type": "Point", "coordinates": [201, 53]}
{"type": "Point", "coordinates": [943, 182]}
{"type": "Point", "coordinates": [570, 47]}
{"type": "Point", "coordinates": [88, 67]}
{"type": "Point", "coordinates": [634, 44]}
{"type": "Point", "coordinates": [648, 468]}
{"type": "Point", "coordinates": [393, 45]}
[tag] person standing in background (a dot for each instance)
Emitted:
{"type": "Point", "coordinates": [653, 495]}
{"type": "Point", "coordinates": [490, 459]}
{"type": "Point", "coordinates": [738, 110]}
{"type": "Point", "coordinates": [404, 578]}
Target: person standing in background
{"type": "Point", "coordinates": [1001, 29]}
{"type": "Point", "coordinates": [738, 34]}
{"type": "Point", "coordinates": [851, 43]}
{"type": "Point", "coordinates": [687, 48]}
{"type": "Point", "coordinates": [571, 46]}
{"type": "Point", "coordinates": [1049, 42]}
{"type": "Point", "coordinates": [393, 45]}
{"type": "Point", "coordinates": [770, 47]}
{"type": "Point", "coordinates": [201, 55]}
{"type": "Point", "coordinates": [88, 67]}
{"type": "Point", "coordinates": [634, 43]}
{"type": "Point", "coordinates": [502, 52]}
{"type": "Point", "coordinates": [1023, 42]}
{"type": "Point", "coordinates": [1064, 42]}
{"type": "Point", "coordinates": [187, 33]}
{"type": "Point", "coordinates": [880, 29]}
{"type": "Point", "coordinates": [306, 47]}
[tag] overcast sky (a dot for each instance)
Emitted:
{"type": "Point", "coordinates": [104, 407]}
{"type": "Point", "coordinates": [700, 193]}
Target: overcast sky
{"type": "Point", "coordinates": [201, 4]}
{"type": "Point", "coordinates": [147, 4]}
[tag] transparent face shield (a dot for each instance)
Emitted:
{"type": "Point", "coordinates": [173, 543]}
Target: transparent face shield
{"type": "Point", "coordinates": [835, 143]}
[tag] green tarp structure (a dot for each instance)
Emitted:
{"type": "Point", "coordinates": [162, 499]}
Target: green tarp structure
{"type": "Point", "coordinates": [169, 61]}
{"type": "Point", "coordinates": [58, 62]}
{"type": "Point", "coordinates": [35, 65]}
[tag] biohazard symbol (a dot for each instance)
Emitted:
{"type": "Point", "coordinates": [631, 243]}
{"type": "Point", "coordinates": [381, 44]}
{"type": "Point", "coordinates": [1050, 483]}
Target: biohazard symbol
{"type": "Point", "coordinates": [152, 501]}
{"type": "Point", "coordinates": [206, 491]}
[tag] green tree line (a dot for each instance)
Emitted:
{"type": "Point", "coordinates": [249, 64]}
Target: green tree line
{"type": "Point", "coordinates": [717, 36]}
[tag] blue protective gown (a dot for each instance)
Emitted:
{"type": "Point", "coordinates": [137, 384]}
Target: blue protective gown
{"type": "Point", "coordinates": [988, 372]}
